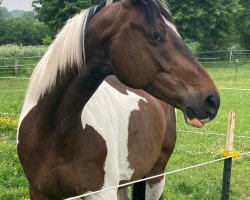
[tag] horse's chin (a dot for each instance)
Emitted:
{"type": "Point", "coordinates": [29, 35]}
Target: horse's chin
{"type": "Point", "coordinates": [195, 122]}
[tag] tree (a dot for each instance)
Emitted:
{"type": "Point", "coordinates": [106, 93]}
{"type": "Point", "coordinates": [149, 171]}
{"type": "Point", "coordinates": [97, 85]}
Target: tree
{"type": "Point", "coordinates": [1, 19]}
{"type": "Point", "coordinates": [29, 15]}
{"type": "Point", "coordinates": [55, 13]}
{"type": "Point", "coordinates": [22, 31]}
{"type": "Point", "coordinates": [244, 24]}
{"type": "Point", "coordinates": [4, 13]}
{"type": "Point", "coordinates": [211, 22]}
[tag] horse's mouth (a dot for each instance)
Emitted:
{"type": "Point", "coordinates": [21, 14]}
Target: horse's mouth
{"type": "Point", "coordinates": [194, 122]}
{"type": "Point", "coordinates": [192, 119]}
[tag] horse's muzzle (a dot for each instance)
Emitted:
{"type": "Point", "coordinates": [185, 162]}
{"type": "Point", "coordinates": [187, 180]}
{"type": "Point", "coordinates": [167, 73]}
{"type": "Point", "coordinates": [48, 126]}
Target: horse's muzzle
{"type": "Point", "coordinates": [198, 113]}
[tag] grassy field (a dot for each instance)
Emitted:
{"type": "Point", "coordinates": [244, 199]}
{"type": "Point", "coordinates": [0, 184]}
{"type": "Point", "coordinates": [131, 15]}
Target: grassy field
{"type": "Point", "coordinates": [193, 145]}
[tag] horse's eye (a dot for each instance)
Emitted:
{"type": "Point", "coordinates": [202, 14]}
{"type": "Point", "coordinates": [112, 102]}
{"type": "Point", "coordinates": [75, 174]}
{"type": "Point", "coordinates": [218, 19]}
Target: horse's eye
{"type": "Point", "coordinates": [157, 37]}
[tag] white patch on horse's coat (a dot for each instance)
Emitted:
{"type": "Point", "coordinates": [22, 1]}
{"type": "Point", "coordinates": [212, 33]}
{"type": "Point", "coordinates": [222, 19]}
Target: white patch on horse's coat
{"type": "Point", "coordinates": [123, 194]}
{"type": "Point", "coordinates": [171, 25]}
{"type": "Point", "coordinates": [108, 112]}
{"type": "Point", "coordinates": [154, 191]}
{"type": "Point", "coordinates": [106, 195]}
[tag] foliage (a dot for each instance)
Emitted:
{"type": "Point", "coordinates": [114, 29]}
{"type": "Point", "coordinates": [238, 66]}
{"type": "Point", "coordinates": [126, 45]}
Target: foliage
{"type": "Point", "coordinates": [56, 12]}
{"type": "Point", "coordinates": [47, 40]}
{"type": "Point", "coordinates": [22, 31]}
{"type": "Point", "coordinates": [25, 30]}
{"type": "Point", "coordinates": [4, 13]}
{"type": "Point", "coordinates": [211, 22]}
{"type": "Point", "coordinates": [206, 25]}
{"type": "Point", "coordinates": [244, 24]}
{"type": "Point", "coordinates": [193, 45]}
{"type": "Point", "coordinates": [29, 15]}
{"type": "Point", "coordinates": [9, 51]}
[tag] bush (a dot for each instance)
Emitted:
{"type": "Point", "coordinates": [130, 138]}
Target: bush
{"type": "Point", "coordinates": [22, 31]}
{"type": "Point", "coordinates": [193, 45]}
{"type": "Point", "coordinates": [22, 51]}
{"type": "Point", "coordinates": [47, 40]}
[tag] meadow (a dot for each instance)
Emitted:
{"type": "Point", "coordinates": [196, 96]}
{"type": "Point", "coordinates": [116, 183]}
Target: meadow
{"type": "Point", "coordinates": [193, 146]}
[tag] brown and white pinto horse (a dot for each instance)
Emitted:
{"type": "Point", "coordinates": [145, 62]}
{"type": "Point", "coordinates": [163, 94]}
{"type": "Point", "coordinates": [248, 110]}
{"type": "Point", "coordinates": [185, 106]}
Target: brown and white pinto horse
{"type": "Point", "coordinates": [79, 133]}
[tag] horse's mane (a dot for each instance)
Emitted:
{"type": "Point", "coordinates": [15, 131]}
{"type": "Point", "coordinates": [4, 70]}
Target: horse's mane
{"type": "Point", "coordinates": [67, 50]}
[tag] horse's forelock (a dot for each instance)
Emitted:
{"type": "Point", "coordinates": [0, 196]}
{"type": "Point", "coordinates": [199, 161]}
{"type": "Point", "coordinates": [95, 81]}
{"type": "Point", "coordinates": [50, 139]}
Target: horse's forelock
{"type": "Point", "coordinates": [152, 9]}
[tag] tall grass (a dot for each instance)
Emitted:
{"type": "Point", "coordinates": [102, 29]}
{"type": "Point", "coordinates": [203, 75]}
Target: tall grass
{"type": "Point", "coordinates": [19, 60]}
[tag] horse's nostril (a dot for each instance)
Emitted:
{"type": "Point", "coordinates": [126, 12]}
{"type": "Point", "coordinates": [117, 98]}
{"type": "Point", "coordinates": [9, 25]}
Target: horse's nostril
{"type": "Point", "coordinates": [212, 105]}
{"type": "Point", "coordinates": [211, 102]}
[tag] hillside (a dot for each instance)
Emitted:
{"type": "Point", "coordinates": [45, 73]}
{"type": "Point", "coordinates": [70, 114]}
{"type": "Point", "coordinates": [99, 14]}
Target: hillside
{"type": "Point", "coordinates": [17, 13]}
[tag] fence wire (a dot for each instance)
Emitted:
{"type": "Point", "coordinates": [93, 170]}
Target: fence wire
{"type": "Point", "coordinates": [153, 177]}
{"type": "Point", "coordinates": [213, 133]}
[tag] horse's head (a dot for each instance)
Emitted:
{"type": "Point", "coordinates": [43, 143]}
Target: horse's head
{"type": "Point", "coordinates": [146, 51]}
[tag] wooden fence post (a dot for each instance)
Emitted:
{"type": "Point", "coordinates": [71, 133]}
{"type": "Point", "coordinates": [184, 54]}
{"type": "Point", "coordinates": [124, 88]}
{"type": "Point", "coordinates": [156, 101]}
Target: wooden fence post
{"type": "Point", "coordinates": [228, 161]}
{"type": "Point", "coordinates": [231, 55]}
{"type": "Point", "coordinates": [236, 68]}
{"type": "Point", "coordinates": [16, 66]}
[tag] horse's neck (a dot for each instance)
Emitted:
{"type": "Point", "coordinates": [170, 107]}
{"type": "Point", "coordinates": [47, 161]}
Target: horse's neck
{"type": "Point", "coordinates": [68, 97]}
{"type": "Point", "coordinates": [72, 91]}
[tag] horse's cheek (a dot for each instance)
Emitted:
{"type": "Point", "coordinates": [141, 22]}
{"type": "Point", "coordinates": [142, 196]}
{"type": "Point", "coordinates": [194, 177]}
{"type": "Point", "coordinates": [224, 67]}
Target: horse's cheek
{"type": "Point", "coordinates": [125, 66]}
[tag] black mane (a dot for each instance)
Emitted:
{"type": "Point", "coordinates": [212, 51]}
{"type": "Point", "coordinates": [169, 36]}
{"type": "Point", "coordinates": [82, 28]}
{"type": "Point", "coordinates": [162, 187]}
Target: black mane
{"type": "Point", "coordinates": [94, 10]}
{"type": "Point", "coordinates": [151, 9]}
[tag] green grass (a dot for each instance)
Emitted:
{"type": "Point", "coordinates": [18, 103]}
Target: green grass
{"type": "Point", "coordinates": [193, 145]}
